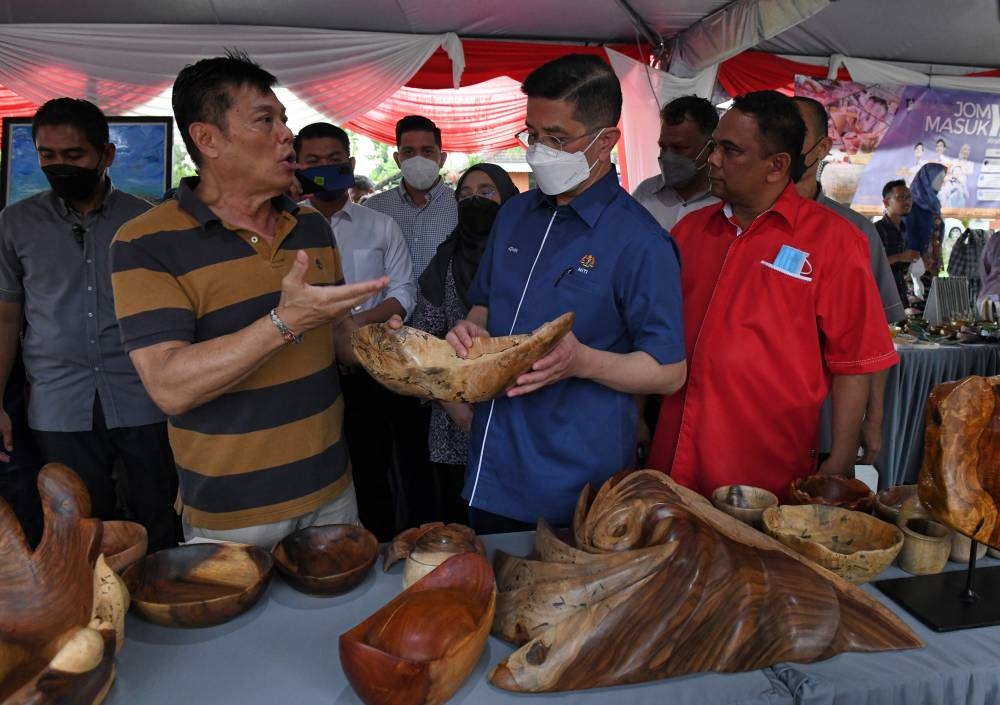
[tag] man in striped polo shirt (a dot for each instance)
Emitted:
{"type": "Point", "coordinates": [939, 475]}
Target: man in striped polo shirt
{"type": "Point", "coordinates": [219, 296]}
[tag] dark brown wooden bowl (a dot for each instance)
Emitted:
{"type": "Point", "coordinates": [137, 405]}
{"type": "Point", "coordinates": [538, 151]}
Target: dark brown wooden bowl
{"type": "Point", "coordinates": [420, 647]}
{"type": "Point", "coordinates": [833, 491]}
{"type": "Point", "coordinates": [889, 501]}
{"type": "Point", "coordinates": [123, 543]}
{"type": "Point", "coordinates": [326, 560]}
{"type": "Point", "coordinates": [199, 585]}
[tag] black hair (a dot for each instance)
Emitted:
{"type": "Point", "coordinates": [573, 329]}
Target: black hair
{"type": "Point", "coordinates": [81, 114]}
{"type": "Point", "coordinates": [919, 144]}
{"type": "Point", "coordinates": [202, 91]}
{"type": "Point", "coordinates": [364, 183]}
{"type": "Point", "coordinates": [816, 115]}
{"type": "Point", "coordinates": [583, 80]}
{"type": "Point", "coordinates": [699, 110]}
{"type": "Point", "coordinates": [321, 129]}
{"type": "Point", "coordinates": [780, 125]}
{"type": "Point", "coordinates": [941, 140]}
{"type": "Point", "coordinates": [417, 123]}
{"type": "Point", "coordinates": [890, 185]}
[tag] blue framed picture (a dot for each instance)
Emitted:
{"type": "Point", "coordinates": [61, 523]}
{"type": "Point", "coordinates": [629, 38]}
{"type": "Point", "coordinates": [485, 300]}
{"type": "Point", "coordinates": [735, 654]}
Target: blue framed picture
{"type": "Point", "coordinates": [142, 166]}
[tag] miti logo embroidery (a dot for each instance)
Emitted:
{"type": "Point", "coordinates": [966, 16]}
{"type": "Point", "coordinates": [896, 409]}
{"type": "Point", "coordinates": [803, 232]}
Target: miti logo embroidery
{"type": "Point", "coordinates": [588, 261]}
{"type": "Point", "coordinates": [512, 250]}
{"type": "Point", "coordinates": [319, 263]}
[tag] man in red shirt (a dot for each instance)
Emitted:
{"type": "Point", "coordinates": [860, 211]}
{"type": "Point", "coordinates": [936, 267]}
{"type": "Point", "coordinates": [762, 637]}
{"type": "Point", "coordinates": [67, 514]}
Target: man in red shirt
{"type": "Point", "coordinates": [780, 307]}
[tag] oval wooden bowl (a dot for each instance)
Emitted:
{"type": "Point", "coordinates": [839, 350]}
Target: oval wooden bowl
{"type": "Point", "coordinates": [833, 491]}
{"type": "Point", "coordinates": [744, 502]}
{"type": "Point", "coordinates": [410, 361]}
{"type": "Point", "coordinates": [855, 546]}
{"type": "Point", "coordinates": [420, 647]}
{"type": "Point", "coordinates": [123, 543]}
{"type": "Point", "coordinates": [199, 585]}
{"type": "Point", "coordinates": [889, 501]}
{"type": "Point", "coordinates": [326, 560]}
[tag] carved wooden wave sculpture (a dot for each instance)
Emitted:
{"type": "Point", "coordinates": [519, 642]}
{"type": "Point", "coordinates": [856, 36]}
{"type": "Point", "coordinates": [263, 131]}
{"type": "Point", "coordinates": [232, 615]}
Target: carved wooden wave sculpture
{"type": "Point", "coordinates": [959, 480]}
{"type": "Point", "coordinates": [662, 584]}
{"type": "Point", "coordinates": [410, 361]}
{"type": "Point", "coordinates": [62, 609]}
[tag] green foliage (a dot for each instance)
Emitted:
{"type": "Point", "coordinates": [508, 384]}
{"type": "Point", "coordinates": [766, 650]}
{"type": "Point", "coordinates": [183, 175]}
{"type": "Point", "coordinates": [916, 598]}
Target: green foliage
{"type": "Point", "coordinates": [182, 165]}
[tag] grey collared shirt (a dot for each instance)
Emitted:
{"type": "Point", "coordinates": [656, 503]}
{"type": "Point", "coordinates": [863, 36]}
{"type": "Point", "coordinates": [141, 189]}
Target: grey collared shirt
{"type": "Point", "coordinates": [665, 204]}
{"type": "Point", "coordinates": [424, 227]}
{"type": "Point", "coordinates": [72, 348]}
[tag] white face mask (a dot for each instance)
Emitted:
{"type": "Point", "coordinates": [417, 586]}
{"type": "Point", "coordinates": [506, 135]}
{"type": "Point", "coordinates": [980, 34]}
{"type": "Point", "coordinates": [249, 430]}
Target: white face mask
{"type": "Point", "coordinates": [420, 172]}
{"type": "Point", "coordinates": [557, 172]}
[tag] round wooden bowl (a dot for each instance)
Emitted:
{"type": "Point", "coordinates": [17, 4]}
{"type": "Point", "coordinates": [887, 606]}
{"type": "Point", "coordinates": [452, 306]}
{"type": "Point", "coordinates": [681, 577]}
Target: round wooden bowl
{"type": "Point", "coordinates": [926, 548]}
{"type": "Point", "coordinates": [199, 585]}
{"type": "Point", "coordinates": [437, 545]}
{"type": "Point", "coordinates": [326, 560]}
{"type": "Point", "coordinates": [744, 502]}
{"type": "Point", "coordinates": [855, 546]}
{"type": "Point", "coordinates": [123, 543]}
{"type": "Point", "coordinates": [420, 647]}
{"type": "Point", "coordinates": [833, 491]}
{"type": "Point", "coordinates": [410, 361]}
{"type": "Point", "coordinates": [961, 548]}
{"type": "Point", "coordinates": [889, 501]}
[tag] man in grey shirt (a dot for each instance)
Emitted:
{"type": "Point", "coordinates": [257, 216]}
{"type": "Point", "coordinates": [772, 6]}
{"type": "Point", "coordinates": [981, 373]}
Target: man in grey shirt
{"type": "Point", "coordinates": [815, 147]}
{"type": "Point", "coordinates": [87, 406]}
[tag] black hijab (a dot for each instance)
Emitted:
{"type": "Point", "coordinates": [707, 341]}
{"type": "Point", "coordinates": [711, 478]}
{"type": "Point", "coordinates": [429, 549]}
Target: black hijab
{"type": "Point", "coordinates": [463, 248]}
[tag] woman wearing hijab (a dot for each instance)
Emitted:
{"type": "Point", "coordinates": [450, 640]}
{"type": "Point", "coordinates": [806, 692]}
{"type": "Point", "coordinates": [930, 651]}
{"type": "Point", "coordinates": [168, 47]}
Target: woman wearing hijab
{"type": "Point", "coordinates": [924, 225]}
{"type": "Point", "coordinates": [442, 302]}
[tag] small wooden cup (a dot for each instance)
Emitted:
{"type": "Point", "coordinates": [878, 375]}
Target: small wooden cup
{"type": "Point", "coordinates": [833, 491]}
{"type": "Point", "coordinates": [326, 560]}
{"type": "Point", "coordinates": [123, 543]}
{"type": "Point", "coordinates": [198, 585]}
{"type": "Point", "coordinates": [926, 546]}
{"type": "Point", "coordinates": [744, 502]}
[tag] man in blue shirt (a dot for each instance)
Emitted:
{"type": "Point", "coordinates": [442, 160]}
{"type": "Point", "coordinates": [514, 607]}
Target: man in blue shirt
{"type": "Point", "coordinates": [577, 243]}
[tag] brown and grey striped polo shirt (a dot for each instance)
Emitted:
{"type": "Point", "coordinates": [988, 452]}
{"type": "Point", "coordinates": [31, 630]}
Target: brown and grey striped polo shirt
{"type": "Point", "coordinates": [270, 448]}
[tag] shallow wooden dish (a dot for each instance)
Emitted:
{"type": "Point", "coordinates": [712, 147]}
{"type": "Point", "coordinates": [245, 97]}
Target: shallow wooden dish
{"type": "Point", "coordinates": [420, 647]}
{"type": "Point", "coordinates": [889, 501]}
{"type": "Point", "coordinates": [744, 502]}
{"type": "Point", "coordinates": [855, 546]}
{"type": "Point", "coordinates": [326, 560]}
{"type": "Point", "coordinates": [199, 585]}
{"type": "Point", "coordinates": [123, 543]}
{"type": "Point", "coordinates": [410, 361]}
{"type": "Point", "coordinates": [833, 491]}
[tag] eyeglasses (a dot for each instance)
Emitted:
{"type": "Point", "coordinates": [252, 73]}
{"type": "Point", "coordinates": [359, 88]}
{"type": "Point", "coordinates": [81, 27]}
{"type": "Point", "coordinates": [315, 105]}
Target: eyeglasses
{"type": "Point", "coordinates": [528, 138]}
{"type": "Point", "coordinates": [484, 191]}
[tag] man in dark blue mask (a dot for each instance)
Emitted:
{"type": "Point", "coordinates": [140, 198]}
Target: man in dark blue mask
{"type": "Point", "coordinates": [88, 408]}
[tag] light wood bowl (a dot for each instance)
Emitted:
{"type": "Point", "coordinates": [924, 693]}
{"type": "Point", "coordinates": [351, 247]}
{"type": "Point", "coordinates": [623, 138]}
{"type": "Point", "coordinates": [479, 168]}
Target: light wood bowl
{"type": "Point", "coordinates": [412, 362]}
{"type": "Point", "coordinates": [889, 501]}
{"type": "Point", "coordinates": [326, 560]}
{"type": "Point", "coordinates": [926, 548]}
{"type": "Point", "coordinates": [436, 546]}
{"type": "Point", "coordinates": [420, 647]}
{"type": "Point", "coordinates": [198, 585]}
{"type": "Point", "coordinates": [744, 502]}
{"type": "Point", "coordinates": [833, 491]}
{"type": "Point", "coordinates": [961, 548]}
{"type": "Point", "coordinates": [123, 543]}
{"type": "Point", "coordinates": [855, 546]}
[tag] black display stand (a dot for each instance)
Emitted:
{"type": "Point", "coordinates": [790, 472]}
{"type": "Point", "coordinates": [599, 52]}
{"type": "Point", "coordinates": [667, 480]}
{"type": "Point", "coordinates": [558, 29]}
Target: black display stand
{"type": "Point", "coordinates": [947, 602]}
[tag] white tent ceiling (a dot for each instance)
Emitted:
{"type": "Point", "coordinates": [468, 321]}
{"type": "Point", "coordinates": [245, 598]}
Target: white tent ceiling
{"type": "Point", "coordinates": [957, 32]}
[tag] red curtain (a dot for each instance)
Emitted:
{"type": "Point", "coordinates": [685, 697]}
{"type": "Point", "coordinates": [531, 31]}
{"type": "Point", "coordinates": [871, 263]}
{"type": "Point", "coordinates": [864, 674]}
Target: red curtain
{"type": "Point", "coordinates": [757, 71]}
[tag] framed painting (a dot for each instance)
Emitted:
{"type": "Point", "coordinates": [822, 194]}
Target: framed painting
{"type": "Point", "coordinates": [142, 165]}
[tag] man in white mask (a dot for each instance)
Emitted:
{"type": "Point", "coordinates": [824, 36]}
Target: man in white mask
{"type": "Point", "coordinates": [576, 243]}
{"type": "Point", "coordinates": [686, 126]}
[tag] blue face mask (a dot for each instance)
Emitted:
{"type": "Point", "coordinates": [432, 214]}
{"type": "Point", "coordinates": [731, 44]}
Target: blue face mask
{"type": "Point", "coordinates": [790, 261]}
{"type": "Point", "coordinates": [328, 182]}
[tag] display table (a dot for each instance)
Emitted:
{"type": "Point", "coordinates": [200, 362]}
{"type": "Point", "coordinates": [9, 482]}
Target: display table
{"type": "Point", "coordinates": [284, 650]}
{"type": "Point", "coordinates": [920, 369]}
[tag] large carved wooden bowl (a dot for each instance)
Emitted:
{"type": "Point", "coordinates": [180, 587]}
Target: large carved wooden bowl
{"type": "Point", "coordinates": [123, 543]}
{"type": "Point", "coordinates": [199, 585]}
{"type": "Point", "coordinates": [855, 546]}
{"type": "Point", "coordinates": [421, 646]}
{"type": "Point", "coordinates": [62, 609]}
{"type": "Point", "coordinates": [410, 361]}
{"type": "Point", "coordinates": [326, 560]}
{"type": "Point", "coordinates": [833, 491]}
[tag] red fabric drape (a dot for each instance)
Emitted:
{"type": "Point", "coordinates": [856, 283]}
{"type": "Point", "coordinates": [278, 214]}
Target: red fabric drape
{"type": "Point", "coordinates": [757, 71]}
{"type": "Point", "coordinates": [13, 105]}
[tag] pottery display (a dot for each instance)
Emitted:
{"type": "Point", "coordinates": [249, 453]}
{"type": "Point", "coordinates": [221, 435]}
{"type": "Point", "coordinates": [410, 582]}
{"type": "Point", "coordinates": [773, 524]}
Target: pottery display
{"type": "Point", "coordinates": [198, 585]}
{"type": "Point", "coordinates": [421, 646]}
{"type": "Point", "coordinates": [744, 502]}
{"type": "Point", "coordinates": [123, 543]}
{"type": "Point", "coordinates": [412, 362]}
{"type": "Point", "coordinates": [833, 491]}
{"type": "Point", "coordinates": [326, 560]}
{"type": "Point", "coordinates": [855, 546]}
{"type": "Point", "coordinates": [926, 546]}
{"type": "Point", "coordinates": [890, 500]}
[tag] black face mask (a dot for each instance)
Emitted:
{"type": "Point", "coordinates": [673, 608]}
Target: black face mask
{"type": "Point", "coordinates": [72, 183]}
{"type": "Point", "coordinates": [476, 214]}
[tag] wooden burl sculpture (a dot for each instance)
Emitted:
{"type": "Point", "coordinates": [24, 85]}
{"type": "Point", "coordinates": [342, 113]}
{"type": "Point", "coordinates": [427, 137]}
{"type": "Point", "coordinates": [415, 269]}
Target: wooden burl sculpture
{"type": "Point", "coordinates": [960, 477]}
{"type": "Point", "coordinates": [62, 609]}
{"type": "Point", "coordinates": [662, 584]}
